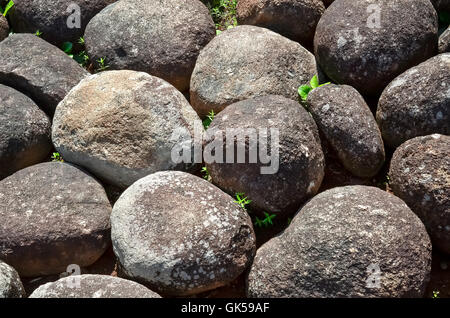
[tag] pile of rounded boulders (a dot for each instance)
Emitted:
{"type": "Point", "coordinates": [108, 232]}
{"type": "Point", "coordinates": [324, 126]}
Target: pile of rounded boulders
{"type": "Point", "coordinates": [353, 241]}
{"type": "Point", "coordinates": [245, 62]}
{"type": "Point", "coordinates": [119, 126]}
{"type": "Point", "coordinates": [420, 175]}
{"type": "Point", "coordinates": [417, 103]}
{"type": "Point", "coordinates": [161, 37]}
{"type": "Point", "coordinates": [444, 41]}
{"type": "Point", "coordinates": [180, 235]}
{"type": "Point", "coordinates": [24, 132]}
{"type": "Point", "coordinates": [4, 28]}
{"type": "Point", "coordinates": [355, 46]}
{"type": "Point", "coordinates": [10, 284]}
{"type": "Point", "coordinates": [294, 19]}
{"type": "Point", "coordinates": [296, 168]}
{"type": "Point", "coordinates": [53, 215]}
{"type": "Point", "coordinates": [348, 125]}
{"type": "Point", "coordinates": [38, 69]}
{"type": "Point", "coordinates": [93, 286]}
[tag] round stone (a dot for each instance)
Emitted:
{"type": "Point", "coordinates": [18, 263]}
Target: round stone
{"type": "Point", "coordinates": [444, 41]}
{"type": "Point", "coordinates": [4, 28]}
{"type": "Point", "coordinates": [10, 284]}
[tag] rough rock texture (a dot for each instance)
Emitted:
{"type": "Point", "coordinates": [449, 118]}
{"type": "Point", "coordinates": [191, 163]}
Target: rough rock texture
{"type": "Point", "coordinates": [295, 19]}
{"type": "Point", "coordinates": [420, 175]}
{"type": "Point", "coordinates": [10, 284]}
{"type": "Point", "coordinates": [337, 244]}
{"type": "Point", "coordinates": [444, 41]}
{"type": "Point", "coordinates": [441, 5]}
{"type": "Point", "coordinates": [38, 69]}
{"type": "Point", "coordinates": [119, 125]}
{"type": "Point", "coordinates": [245, 62]}
{"type": "Point", "coordinates": [56, 19]}
{"type": "Point", "coordinates": [24, 132]}
{"type": "Point", "coordinates": [53, 215]}
{"type": "Point", "coordinates": [417, 103]}
{"type": "Point", "coordinates": [4, 28]}
{"type": "Point", "coordinates": [352, 50]}
{"type": "Point", "coordinates": [161, 37]}
{"type": "Point", "coordinates": [348, 125]}
{"type": "Point", "coordinates": [300, 163]}
{"type": "Point", "coordinates": [198, 238]}
{"type": "Point", "coordinates": [93, 286]}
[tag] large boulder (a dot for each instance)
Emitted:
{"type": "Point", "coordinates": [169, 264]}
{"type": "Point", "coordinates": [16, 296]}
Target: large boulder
{"type": "Point", "coordinates": [296, 166]}
{"type": "Point", "coordinates": [10, 284]}
{"type": "Point", "coordinates": [245, 62]}
{"type": "Point", "coordinates": [160, 37]}
{"type": "Point", "coordinates": [119, 125]}
{"type": "Point", "coordinates": [59, 21]}
{"type": "Point", "coordinates": [294, 19]}
{"type": "Point", "coordinates": [353, 241]}
{"type": "Point", "coordinates": [180, 235]}
{"type": "Point", "coordinates": [356, 46]}
{"type": "Point", "coordinates": [444, 41]}
{"type": "Point", "coordinates": [4, 28]}
{"type": "Point", "coordinates": [420, 175]}
{"type": "Point", "coordinates": [349, 127]}
{"type": "Point", "coordinates": [24, 132]}
{"type": "Point", "coordinates": [53, 215]}
{"type": "Point", "coordinates": [93, 286]}
{"type": "Point", "coordinates": [38, 69]}
{"type": "Point", "coordinates": [417, 103]}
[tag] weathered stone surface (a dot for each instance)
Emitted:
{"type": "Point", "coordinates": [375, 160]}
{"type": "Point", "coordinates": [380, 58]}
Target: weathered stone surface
{"type": "Point", "coordinates": [59, 20]}
{"type": "Point", "coordinates": [119, 125]}
{"type": "Point", "coordinates": [417, 103]}
{"type": "Point", "coordinates": [347, 123]}
{"type": "Point", "coordinates": [295, 19]}
{"type": "Point", "coordinates": [420, 175]}
{"type": "Point", "coordinates": [38, 69]}
{"type": "Point", "coordinates": [286, 181]}
{"type": "Point", "coordinates": [10, 284]}
{"type": "Point", "coordinates": [353, 48]}
{"type": "Point", "coordinates": [93, 286]}
{"type": "Point", "coordinates": [4, 28]}
{"type": "Point", "coordinates": [24, 132]}
{"type": "Point", "coordinates": [245, 62]}
{"type": "Point", "coordinates": [161, 37]}
{"type": "Point", "coordinates": [198, 237]}
{"type": "Point", "coordinates": [444, 41]}
{"type": "Point", "coordinates": [335, 244]}
{"type": "Point", "coordinates": [53, 215]}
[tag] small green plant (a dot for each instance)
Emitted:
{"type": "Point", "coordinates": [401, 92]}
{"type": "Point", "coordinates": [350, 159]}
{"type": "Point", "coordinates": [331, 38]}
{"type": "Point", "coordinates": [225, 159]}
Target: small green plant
{"type": "Point", "coordinates": [209, 119]}
{"type": "Point", "coordinates": [81, 40]}
{"type": "Point", "coordinates": [38, 33]}
{"type": "Point", "coordinates": [268, 220]}
{"type": "Point", "coordinates": [242, 200]}
{"type": "Point", "coordinates": [102, 64]}
{"type": "Point", "coordinates": [435, 294]}
{"type": "Point", "coordinates": [304, 90]}
{"type": "Point", "coordinates": [223, 13]}
{"type": "Point", "coordinates": [206, 174]}
{"type": "Point", "coordinates": [8, 7]}
{"type": "Point", "coordinates": [67, 48]}
{"type": "Point", "coordinates": [57, 157]}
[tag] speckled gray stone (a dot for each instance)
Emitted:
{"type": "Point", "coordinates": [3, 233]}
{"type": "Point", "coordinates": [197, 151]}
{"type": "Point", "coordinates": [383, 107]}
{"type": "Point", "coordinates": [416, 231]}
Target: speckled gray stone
{"type": "Point", "coordinates": [180, 235]}
{"type": "Point", "coordinates": [444, 41]}
{"type": "Point", "coordinates": [93, 286]}
{"type": "Point", "coordinates": [24, 132]}
{"type": "Point", "coordinates": [352, 51]}
{"type": "Point", "coordinates": [347, 123]}
{"type": "Point", "coordinates": [420, 175]}
{"type": "Point", "coordinates": [161, 37]}
{"type": "Point", "coordinates": [245, 62]}
{"type": "Point", "coordinates": [53, 215]}
{"type": "Point", "coordinates": [300, 163]}
{"type": "Point", "coordinates": [417, 103]}
{"type": "Point", "coordinates": [4, 28]}
{"type": "Point", "coordinates": [119, 125]}
{"type": "Point", "coordinates": [335, 243]}
{"type": "Point", "coordinates": [10, 284]}
{"type": "Point", "coordinates": [38, 69]}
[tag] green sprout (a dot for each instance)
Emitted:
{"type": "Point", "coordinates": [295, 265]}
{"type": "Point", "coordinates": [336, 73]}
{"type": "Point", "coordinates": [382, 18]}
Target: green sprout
{"type": "Point", "coordinates": [206, 174]}
{"type": "Point", "coordinates": [304, 90]}
{"type": "Point", "coordinates": [7, 8]}
{"type": "Point", "coordinates": [435, 294]}
{"type": "Point", "coordinates": [57, 157]}
{"type": "Point", "coordinates": [242, 200]}
{"type": "Point", "coordinates": [102, 64]}
{"type": "Point", "coordinates": [209, 119]}
{"type": "Point", "coordinates": [267, 221]}
{"type": "Point", "coordinates": [81, 40]}
{"type": "Point", "coordinates": [38, 33]}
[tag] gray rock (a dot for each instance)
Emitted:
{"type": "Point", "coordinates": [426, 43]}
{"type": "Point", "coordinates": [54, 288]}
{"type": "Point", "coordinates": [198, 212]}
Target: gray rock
{"type": "Point", "coordinates": [198, 238]}
{"type": "Point", "coordinates": [420, 175]}
{"type": "Point", "coordinates": [10, 284]}
{"type": "Point", "coordinates": [348, 125]}
{"type": "Point", "coordinates": [245, 62]}
{"type": "Point", "coordinates": [4, 28]}
{"type": "Point", "coordinates": [119, 125]}
{"type": "Point", "coordinates": [294, 19]}
{"type": "Point", "coordinates": [444, 41]}
{"type": "Point", "coordinates": [38, 69]}
{"type": "Point", "coordinates": [417, 103]}
{"type": "Point", "coordinates": [24, 132]}
{"type": "Point", "coordinates": [56, 19]}
{"type": "Point", "coordinates": [296, 174]}
{"type": "Point", "coordinates": [53, 215]}
{"type": "Point", "coordinates": [352, 50]}
{"type": "Point", "coordinates": [161, 37]}
{"type": "Point", "coordinates": [338, 244]}
{"type": "Point", "coordinates": [93, 286]}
